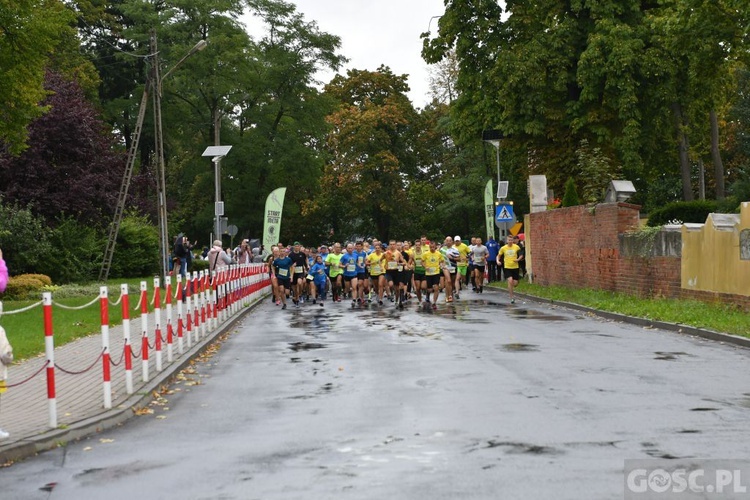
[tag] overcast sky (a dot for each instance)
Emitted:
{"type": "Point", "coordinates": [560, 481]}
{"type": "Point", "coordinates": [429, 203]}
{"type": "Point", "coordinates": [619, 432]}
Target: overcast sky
{"type": "Point", "coordinates": [375, 32]}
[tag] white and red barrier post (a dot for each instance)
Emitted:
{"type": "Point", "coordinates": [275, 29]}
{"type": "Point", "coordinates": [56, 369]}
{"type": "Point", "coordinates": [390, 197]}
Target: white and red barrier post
{"type": "Point", "coordinates": [144, 328]}
{"type": "Point", "coordinates": [180, 317]}
{"type": "Point", "coordinates": [214, 299]}
{"type": "Point", "coordinates": [170, 329]}
{"type": "Point", "coordinates": [128, 353]}
{"type": "Point", "coordinates": [196, 306]}
{"type": "Point", "coordinates": [49, 348]}
{"type": "Point", "coordinates": [157, 323]}
{"type": "Point", "coordinates": [106, 367]}
{"type": "Point", "coordinates": [204, 302]}
{"type": "Point", "coordinates": [188, 313]}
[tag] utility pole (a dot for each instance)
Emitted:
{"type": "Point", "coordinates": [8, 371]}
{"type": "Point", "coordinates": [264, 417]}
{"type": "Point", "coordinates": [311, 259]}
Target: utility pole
{"type": "Point", "coordinates": [161, 193]}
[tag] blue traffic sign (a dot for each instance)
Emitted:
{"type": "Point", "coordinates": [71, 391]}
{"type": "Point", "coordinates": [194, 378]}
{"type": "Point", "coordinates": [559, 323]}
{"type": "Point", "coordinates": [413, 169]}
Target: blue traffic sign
{"type": "Point", "coordinates": [504, 213]}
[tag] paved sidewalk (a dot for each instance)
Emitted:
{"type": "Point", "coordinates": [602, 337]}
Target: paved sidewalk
{"type": "Point", "coordinates": [24, 410]}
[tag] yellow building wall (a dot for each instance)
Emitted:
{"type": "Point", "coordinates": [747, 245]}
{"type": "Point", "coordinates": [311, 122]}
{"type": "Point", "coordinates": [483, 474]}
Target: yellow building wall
{"type": "Point", "coordinates": [711, 257]}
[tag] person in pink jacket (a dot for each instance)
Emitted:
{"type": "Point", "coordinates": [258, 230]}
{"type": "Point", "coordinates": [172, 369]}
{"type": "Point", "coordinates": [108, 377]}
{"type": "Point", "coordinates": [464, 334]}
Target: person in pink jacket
{"type": "Point", "coordinates": [3, 273]}
{"type": "Point", "coordinates": [6, 351]}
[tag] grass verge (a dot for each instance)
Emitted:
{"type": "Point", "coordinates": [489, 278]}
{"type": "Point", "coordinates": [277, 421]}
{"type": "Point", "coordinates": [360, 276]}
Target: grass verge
{"type": "Point", "coordinates": [712, 316]}
{"type": "Point", "coordinates": [26, 330]}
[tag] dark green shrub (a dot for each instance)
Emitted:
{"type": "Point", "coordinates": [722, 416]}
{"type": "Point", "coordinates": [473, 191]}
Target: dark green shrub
{"type": "Point", "coordinates": [198, 265]}
{"type": "Point", "coordinates": [77, 254]}
{"type": "Point", "coordinates": [24, 239]}
{"type": "Point", "coordinates": [685, 211]}
{"type": "Point", "coordinates": [570, 198]}
{"type": "Point", "coordinates": [137, 250]}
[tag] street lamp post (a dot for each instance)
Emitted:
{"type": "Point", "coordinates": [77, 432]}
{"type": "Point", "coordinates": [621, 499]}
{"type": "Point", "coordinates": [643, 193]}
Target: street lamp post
{"type": "Point", "coordinates": [159, 146]}
{"type": "Point", "coordinates": [217, 153]}
{"type": "Point", "coordinates": [494, 137]}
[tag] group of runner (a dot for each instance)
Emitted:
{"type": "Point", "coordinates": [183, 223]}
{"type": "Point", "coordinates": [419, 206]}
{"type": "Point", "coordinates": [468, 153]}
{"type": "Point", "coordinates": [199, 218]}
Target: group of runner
{"type": "Point", "coordinates": [368, 272]}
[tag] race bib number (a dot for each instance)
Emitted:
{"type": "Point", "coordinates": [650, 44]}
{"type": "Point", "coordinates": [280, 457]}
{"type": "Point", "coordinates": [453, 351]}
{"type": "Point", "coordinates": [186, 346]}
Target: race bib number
{"type": "Point", "coordinates": [400, 268]}
{"type": "Point", "coordinates": [431, 270]}
{"type": "Point", "coordinates": [359, 261]}
{"type": "Point", "coordinates": [418, 262]}
{"type": "Point", "coordinates": [351, 268]}
{"type": "Point", "coordinates": [376, 269]}
{"type": "Point", "coordinates": [393, 265]}
{"type": "Point", "coordinates": [310, 277]}
{"type": "Point", "coordinates": [283, 273]}
{"type": "Point", "coordinates": [299, 269]}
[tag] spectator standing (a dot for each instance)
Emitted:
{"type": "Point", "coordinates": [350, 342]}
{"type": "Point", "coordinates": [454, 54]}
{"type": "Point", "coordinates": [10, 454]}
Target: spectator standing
{"type": "Point", "coordinates": [6, 351]}
{"type": "Point", "coordinates": [3, 273]}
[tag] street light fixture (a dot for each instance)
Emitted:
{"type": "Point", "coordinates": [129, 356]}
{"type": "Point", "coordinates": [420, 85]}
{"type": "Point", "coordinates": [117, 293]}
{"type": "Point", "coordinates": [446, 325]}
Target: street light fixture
{"type": "Point", "coordinates": [494, 137]}
{"type": "Point", "coordinates": [161, 183]}
{"type": "Point", "coordinates": [217, 153]}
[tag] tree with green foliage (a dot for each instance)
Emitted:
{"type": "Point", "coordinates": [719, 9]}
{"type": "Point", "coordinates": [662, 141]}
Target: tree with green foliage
{"type": "Point", "coordinates": [570, 198]}
{"type": "Point", "coordinates": [631, 77]}
{"type": "Point", "coordinates": [372, 154]}
{"type": "Point", "coordinates": [30, 32]}
{"type": "Point", "coordinates": [72, 165]}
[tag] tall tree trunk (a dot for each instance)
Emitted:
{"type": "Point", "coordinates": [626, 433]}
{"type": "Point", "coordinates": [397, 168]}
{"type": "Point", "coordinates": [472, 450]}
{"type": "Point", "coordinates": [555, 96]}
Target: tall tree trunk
{"type": "Point", "coordinates": [716, 157]}
{"type": "Point", "coordinates": [687, 187]}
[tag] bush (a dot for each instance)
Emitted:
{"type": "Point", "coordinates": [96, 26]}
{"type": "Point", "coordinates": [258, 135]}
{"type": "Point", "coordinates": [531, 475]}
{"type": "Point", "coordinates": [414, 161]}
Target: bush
{"type": "Point", "coordinates": [686, 211]}
{"type": "Point", "coordinates": [24, 239]}
{"type": "Point", "coordinates": [570, 198]}
{"type": "Point", "coordinates": [24, 287]}
{"type": "Point", "coordinates": [78, 252]}
{"type": "Point", "coordinates": [46, 280]}
{"type": "Point", "coordinates": [137, 250]}
{"type": "Point", "coordinates": [198, 265]}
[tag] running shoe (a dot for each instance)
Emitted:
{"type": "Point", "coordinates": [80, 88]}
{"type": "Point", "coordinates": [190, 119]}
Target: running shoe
{"type": "Point", "coordinates": [380, 302]}
{"type": "Point", "coordinates": [512, 301]}
{"type": "Point", "coordinates": [321, 303]}
{"type": "Point", "coordinates": [284, 306]}
{"type": "Point", "coordinates": [4, 435]}
{"type": "Point", "coordinates": [434, 306]}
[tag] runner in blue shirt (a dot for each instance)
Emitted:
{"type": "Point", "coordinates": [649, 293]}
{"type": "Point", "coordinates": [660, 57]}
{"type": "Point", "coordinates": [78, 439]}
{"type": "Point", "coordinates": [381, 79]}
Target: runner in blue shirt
{"type": "Point", "coordinates": [282, 268]}
{"type": "Point", "coordinates": [318, 273]}
{"type": "Point", "coordinates": [348, 263]}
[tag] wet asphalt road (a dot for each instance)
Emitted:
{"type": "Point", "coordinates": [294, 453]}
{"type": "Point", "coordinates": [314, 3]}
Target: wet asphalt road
{"type": "Point", "coordinates": [482, 399]}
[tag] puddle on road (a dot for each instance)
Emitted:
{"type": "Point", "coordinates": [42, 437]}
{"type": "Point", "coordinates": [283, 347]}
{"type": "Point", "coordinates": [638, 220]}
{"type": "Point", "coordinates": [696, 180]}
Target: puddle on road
{"type": "Point", "coordinates": [537, 315]}
{"type": "Point", "coordinates": [704, 408]}
{"type": "Point", "coordinates": [669, 356]}
{"type": "Point", "coordinates": [523, 448]}
{"type": "Point", "coordinates": [518, 347]}
{"type": "Point", "coordinates": [305, 346]}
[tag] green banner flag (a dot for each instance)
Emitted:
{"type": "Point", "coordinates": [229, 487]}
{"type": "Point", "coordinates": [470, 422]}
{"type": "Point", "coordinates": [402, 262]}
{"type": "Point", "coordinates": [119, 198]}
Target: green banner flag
{"type": "Point", "coordinates": [489, 208]}
{"type": "Point", "coordinates": [272, 218]}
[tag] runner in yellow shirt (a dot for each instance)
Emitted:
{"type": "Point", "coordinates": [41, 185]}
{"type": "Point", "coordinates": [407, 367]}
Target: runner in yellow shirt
{"type": "Point", "coordinates": [376, 265]}
{"type": "Point", "coordinates": [509, 254]}
{"type": "Point", "coordinates": [433, 266]}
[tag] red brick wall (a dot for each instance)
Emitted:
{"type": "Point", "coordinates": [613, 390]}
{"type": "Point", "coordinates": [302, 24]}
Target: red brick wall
{"type": "Point", "coordinates": [579, 247]}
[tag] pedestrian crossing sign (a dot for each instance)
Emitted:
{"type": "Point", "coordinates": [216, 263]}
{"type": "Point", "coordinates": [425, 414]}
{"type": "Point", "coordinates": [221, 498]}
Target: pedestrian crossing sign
{"type": "Point", "coordinates": [504, 213]}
